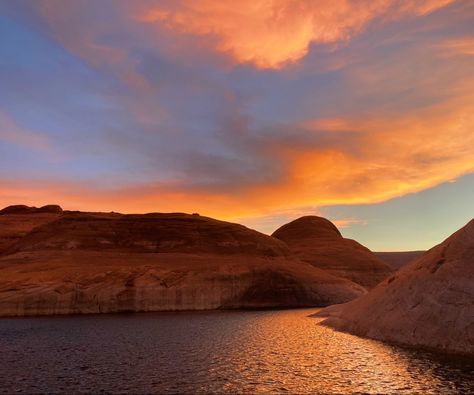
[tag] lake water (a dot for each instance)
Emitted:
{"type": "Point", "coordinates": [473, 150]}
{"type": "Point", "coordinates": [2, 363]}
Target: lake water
{"type": "Point", "coordinates": [233, 351]}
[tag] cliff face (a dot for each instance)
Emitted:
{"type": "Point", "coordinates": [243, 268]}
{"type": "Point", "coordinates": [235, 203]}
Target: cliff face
{"type": "Point", "coordinates": [97, 263]}
{"type": "Point", "coordinates": [429, 303]}
{"type": "Point", "coordinates": [317, 241]}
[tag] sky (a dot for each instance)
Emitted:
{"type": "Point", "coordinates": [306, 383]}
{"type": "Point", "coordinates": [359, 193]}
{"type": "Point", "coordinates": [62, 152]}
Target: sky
{"type": "Point", "coordinates": [252, 111]}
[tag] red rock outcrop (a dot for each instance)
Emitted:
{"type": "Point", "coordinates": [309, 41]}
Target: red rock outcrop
{"type": "Point", "coordinates": [95, 263]}
{"type": "Point", "coordinates": [428, 303]}
{"type": "Point", "coordinates": [15, 226]}
{"type": "Point", "coordinates": [22, 209]}
{"type": "Point", "coordinates": [317, 241]}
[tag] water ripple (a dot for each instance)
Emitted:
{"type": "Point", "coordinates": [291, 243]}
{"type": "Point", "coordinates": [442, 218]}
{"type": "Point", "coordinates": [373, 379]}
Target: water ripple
{"type": "Point", "coordinates": [238, 352]}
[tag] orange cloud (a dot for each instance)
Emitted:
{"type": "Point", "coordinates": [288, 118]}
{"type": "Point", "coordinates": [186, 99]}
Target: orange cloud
{"type": "Point", "coordinates": [272, 33]}
{"type": "Point", "coordinates": [397, 156]}
{"type": "Point", "coordinates": [348, 222]}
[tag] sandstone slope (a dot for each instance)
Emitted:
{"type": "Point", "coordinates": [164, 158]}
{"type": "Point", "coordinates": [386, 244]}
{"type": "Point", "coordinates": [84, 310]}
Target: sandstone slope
{"type": "Point", "coordinates": [97, 263]}
{"type": "Point", "coordinates": [317, 241]}
{"type": "Point", "coordinates": [17, 221]}
{"type": "Point", "coordinates": [429, 303]}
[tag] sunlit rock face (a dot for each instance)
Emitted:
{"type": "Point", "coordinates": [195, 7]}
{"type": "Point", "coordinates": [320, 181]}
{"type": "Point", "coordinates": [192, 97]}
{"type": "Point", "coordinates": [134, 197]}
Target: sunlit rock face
{"type": "Point", "coordinates": [429, 303]}
{"type": "Point", "coordinates": [96, 263]}
{"type": "Point", "coordinates": [317, 241]}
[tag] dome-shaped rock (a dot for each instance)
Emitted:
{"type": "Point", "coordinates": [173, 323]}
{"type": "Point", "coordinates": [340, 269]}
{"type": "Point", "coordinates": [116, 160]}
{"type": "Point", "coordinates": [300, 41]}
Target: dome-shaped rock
{"type": "Point", "coordinates": [317, 241]}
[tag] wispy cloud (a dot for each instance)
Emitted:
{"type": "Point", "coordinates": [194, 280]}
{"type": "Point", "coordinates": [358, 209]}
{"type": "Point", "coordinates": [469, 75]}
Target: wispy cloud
{"type": "Point", "coordinates": [458, 46]}
{"type": "Point", "coordinates": [348, 222]}
{"type": "Point", "coordinates": [11, 132]}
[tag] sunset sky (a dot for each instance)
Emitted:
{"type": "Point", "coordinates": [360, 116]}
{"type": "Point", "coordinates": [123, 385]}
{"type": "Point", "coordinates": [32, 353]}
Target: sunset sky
{"type": "Point", "coordinates": [253, 111]}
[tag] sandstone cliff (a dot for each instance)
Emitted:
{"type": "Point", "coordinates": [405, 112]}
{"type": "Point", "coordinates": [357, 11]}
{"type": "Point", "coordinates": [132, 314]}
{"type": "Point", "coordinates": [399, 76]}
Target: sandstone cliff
{"type": "Point", "coordinates": [429, 303]}
{"type": "Point", "coordinates": [96, 263]}
{"type": "Point", "coordinates": [317, 241]}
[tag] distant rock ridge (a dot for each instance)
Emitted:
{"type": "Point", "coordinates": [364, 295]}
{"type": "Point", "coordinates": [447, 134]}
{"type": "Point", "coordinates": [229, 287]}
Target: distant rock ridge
{"type": "Point", "coordinates": [428, 303]}
{"type": "Point", "coordinates": [398, 259]}
{"type": "Point", "coordinates": [23, 209]}
{"type": "Point", "coordinates": [77, 262]}
{"type": "Point", "coordinates": [317, 241]}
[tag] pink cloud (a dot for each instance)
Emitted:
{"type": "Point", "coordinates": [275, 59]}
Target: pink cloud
{"type": "Point", "coordinates": [271, 34]}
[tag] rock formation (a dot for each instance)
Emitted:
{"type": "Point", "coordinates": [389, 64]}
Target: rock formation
{"type": "Point", "coordinates": [398, 259]}
{"type": "Point", "coordinates": [22, 209]}
{"type": "Point", "coordinates": [17, 221]}
{"type": "Point", "coordinates": [428, 303]}
{"type": "Point", "coordinates": [95, 262]}
{"type": "Point", "coordinates": [317, 241]}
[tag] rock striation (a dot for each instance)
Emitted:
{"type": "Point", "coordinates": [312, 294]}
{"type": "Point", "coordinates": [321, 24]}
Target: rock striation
{"type": "Point", "coordinates": [317, 241]}
{"type": "Point", "coordinates": [428, 303]}
{"type": "Point", "coordinates": [77, 262]}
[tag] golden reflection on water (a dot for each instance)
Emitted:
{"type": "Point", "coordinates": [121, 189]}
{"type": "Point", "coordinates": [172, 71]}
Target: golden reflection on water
{"type": "Point", "coordinates": [287, 351]}
{"type": "Point", "coordinates": [213, 352]}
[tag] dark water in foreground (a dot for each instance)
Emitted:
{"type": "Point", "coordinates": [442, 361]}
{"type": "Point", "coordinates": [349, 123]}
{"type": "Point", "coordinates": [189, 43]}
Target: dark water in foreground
{"type": "Point", "coordinates": [257, 351]}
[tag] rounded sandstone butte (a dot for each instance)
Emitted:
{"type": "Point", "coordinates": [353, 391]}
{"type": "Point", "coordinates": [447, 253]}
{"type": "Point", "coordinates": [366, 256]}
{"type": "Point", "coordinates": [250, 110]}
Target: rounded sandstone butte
{"type": "Point", "coordinates": [156, 232]}
{"type": "Point", "coordinates": [97, 262]}
{"type": "Point", "coordinates": [50, 208]}
{"type": "Point", "coordinates": [23, 209]}
{"type": "Point", "coordinates": [17, 209]}
{"type": "Point", "coordinates": [428, 303]}
{"type": "Point", "coordinates": [317, 241]}
{"type": "Point", "coordinates": [305, 228]}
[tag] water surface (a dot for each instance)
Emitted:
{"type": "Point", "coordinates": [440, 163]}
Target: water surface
{"type": "Point", "coordinates": [253, 351]}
